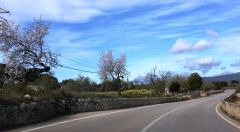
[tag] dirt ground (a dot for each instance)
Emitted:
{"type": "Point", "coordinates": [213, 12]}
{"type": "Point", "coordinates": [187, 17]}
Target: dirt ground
{"type": "Point", "coordinates": [237, 100]}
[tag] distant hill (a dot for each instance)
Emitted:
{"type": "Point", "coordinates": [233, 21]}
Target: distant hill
{"type": "Point", "coordinates": [228, 78]}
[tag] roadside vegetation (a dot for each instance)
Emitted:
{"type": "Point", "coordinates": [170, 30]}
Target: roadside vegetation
{"type": "Point", "coordinates": [27, 66]}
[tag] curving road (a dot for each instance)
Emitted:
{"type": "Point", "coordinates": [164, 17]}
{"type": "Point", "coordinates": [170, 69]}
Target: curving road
{"type": "Point", "coordinates": [197, 115]}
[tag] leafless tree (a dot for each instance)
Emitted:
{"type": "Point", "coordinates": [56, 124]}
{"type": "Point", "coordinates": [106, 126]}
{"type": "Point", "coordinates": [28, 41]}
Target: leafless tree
{"type": "Point", "coordinates": [164, 75]}
{"type": "Point", "coordinates": [164, 78]}
{"type": "Point", "coordinates": [24, 50]}
{"type": "Point", "coordinates": [113, 69]}
{"type": "Point", "coordinates": [158, 81]}
{"type": "Point", "coordinates": [152, 77]}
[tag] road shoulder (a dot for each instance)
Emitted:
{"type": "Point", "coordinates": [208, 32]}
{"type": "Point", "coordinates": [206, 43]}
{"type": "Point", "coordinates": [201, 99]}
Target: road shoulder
{"type": "Point", "coordinates": [226, 118]}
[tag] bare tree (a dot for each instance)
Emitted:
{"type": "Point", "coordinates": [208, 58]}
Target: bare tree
{"type": "Point", "coordinates": [24, 50]}
{"type": "Point", "coordinates": [164, 78]}
{"type": "Point", "coordinates": [158, 81]}
{"type": "Point", "coordinates": [113, 69]}
{"type": "Point", "coordinates": [152, 77]}
{"type": "Point", "coordinates": [164, 75]}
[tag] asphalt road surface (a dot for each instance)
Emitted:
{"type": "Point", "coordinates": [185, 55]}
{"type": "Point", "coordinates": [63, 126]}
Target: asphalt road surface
{"type": "Point", "coordinates": [197, 115]}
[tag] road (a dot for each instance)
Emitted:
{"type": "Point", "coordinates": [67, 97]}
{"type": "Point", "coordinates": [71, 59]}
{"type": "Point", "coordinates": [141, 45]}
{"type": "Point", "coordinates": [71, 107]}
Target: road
{"type": "Point", "coordinates": [197, 115]}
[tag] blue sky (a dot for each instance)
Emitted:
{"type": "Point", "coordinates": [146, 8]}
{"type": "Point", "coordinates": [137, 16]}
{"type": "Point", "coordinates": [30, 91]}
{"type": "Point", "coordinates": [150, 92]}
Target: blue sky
{"type": "Point", "coordinates": [181, 36]}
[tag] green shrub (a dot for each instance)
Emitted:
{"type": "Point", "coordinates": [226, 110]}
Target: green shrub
{"type": "Point", "coordinates": [138, 93]}
{"type": "Point", "coordinates": [81, 84]}
{"type": "Point", "coordinates": [113, 94]}
{"type": "Point", "coordinates": [220, 85]}
{"type": "Point", "coordinates": [98, 95]}
{"type": "Point", "coordinates": [45, 82]}
{"type": "Point", "coordinates": [174, 87]}
{"type": "Point", "coordinates": [208, 86]}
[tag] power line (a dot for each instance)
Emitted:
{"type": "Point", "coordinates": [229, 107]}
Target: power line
{"type": "Point", "coordinates": [76, 69]}
{"type": "Point", "coordinates": [3, 10]}
{"type": "Point", "coordinates": [78, 62]}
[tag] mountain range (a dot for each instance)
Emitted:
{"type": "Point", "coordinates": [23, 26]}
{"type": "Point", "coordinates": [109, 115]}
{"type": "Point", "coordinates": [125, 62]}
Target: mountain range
{"type": "Point", "coordinates": [227, 77]}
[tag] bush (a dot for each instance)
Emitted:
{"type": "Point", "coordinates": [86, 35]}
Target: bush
{"type": "Point", "coordinates": [109, 86]}
{"type": "Point", "coordinates": [234, 82]}
{"type": "Point", "coordinates": [220, 85]}
{"type": "Point", "coordinates": [45, 82]}
{"type": "Point", "coordinates": [113, 94]}
{"type": "Point", "coordinates": [138, 93]}
{"type": "Point", "coordinates": [92, 94]}
{"type": "Point", "coordinates": [174, 87]}
{"type": "Point", "coordinates": [80, 84]}
{"type": "Point", "coordinates": [208, 86]}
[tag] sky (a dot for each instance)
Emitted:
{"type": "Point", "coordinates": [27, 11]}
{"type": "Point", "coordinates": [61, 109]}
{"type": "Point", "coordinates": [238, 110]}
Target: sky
{"type": "Point", "coordinates": [180, 36]}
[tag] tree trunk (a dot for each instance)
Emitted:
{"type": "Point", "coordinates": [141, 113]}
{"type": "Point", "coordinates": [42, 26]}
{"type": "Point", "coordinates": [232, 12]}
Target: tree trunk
{"type": "Point", "coordinates": [119, 86]}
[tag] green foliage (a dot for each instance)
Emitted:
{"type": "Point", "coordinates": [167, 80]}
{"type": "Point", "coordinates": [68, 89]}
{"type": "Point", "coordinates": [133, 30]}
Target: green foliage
{"type": "Point", "coordinates": [234, 83]}
{"type": "Point", "coordinates": [111, 94]}
{"type": "Point", "coordinates": [109, 86]}
{"type": "Point", "coordinates": [183, 81]}
{"type": "Point", "coordinates": [143, 86]}
{"type": "Point", "coordinates": [174, 87]}
{"type": "Point", "coordinates": [138, 93]}
{"type": "Point", "coordinates": [45, 82]}
{"type": "Point", "coordinates": [220, 85]}
{"type": "Point", "coordinates": [194, 82]}
{"type": "Point", "coordinates": [160, 86]}
{"type": "Point", "coordinates": [80, 84]}
{"type": "Point", "coordinates": [208, 86]}
{"type": "Point", "coordinates": [129, 85]}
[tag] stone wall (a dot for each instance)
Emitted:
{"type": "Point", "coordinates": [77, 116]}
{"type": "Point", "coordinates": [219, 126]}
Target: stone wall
{"type": "Point", "coordinates": [230, 108]}
{"type": "Point", "coordinates": [35, 111]}
{"type": "Point", "coordinates": [212, 92]}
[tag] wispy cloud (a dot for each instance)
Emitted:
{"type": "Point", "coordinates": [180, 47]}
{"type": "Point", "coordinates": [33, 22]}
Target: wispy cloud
{"type": "Point", "coordinates": [150, 32]}
{"type": "Point", "coordinates": [124, 49]}
{"type": "Point", "coordinates": [236, 64]}
{"type": "Point", "coordinates": [212, 33]}
{"type": "Point", "coordinates": [68, 11]}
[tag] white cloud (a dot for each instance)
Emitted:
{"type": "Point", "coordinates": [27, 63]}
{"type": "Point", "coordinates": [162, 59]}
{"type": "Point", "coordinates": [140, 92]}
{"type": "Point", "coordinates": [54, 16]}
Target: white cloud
{"type": "Point", "coordinates": [202, 44]}
{"type": "Point", "coordinates": [203, 64]}
{"type": "Point", "coordinates": [181, 46]}
{"type": "Point", "coordinates": [212, 33]}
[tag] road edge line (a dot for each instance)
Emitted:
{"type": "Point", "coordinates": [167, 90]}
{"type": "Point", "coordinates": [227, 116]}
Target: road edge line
{"type": "Point", "coordinates": [87, 117]}
{"type": "Point", "coordinates": [162, 116]}
{"type": "Point", "coordinates": [159, 118]}
{"type": "Point", "coordinates": [225, 119]}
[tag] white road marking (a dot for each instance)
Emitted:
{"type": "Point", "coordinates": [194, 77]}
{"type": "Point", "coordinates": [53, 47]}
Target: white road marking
{"type": "Point", "coordinates": [225, 119]}
{"type": "Point", "coordinates": [68, 121]}
{"type": "Point", "coordinates": [98, 115]}
{"type": "Point", "coordinates": [156, 120]}
{"type": "Point", "coordinates": [162, 116]}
